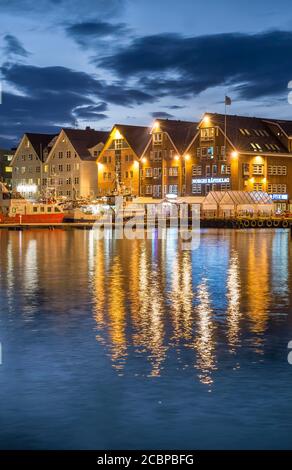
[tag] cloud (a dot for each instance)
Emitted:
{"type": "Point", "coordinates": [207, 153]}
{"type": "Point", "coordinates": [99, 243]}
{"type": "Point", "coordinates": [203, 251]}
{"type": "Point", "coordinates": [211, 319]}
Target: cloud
{"type": "Point", "coordinates": [47, 98]}
{"type": "Point", "coordinates": [63, 8]}
{"type": "Point", "coordinates": [255, 65]}
{"type": "Point", "coordinates": [91, 33]}
{"type": "Point", "coordinates": [161, 114]}
{"type": "Point", "coordinates": [13, 47]}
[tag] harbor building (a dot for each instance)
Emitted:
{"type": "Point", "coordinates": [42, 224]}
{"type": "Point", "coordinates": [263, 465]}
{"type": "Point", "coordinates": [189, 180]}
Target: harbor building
{"type": "Point", "coordinates": [163, 161]}
{"type": "Point", "coordinates": [118, 162]}
{"type": "Point", "coordinates": [70, 170]}
{"type": "Point", "coordinates": [27, 163]}
{"type": "Point", "coordinates": [6, 157]}
{"type": "Point", "coordinates": [241, 153]}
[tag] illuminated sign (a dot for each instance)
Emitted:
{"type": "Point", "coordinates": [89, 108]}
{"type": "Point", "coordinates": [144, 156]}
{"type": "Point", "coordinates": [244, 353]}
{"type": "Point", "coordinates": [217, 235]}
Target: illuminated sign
{"type": "Point", "coordinates": [280, 197]}
{"type": "Point", "coordinates": [210, 180]}
{"type": "Point", "coordinates": [27, 188]}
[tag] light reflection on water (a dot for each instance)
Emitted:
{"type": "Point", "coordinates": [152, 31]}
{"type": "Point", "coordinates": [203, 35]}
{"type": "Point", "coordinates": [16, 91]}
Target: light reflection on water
{"type": "Point", "coordinates": [147, 297]}
{"type": "Point", "coordinates": [146, 312]}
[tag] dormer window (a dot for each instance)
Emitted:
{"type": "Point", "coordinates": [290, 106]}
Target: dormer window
{"type": "Point", "coordinates": [157, 138]}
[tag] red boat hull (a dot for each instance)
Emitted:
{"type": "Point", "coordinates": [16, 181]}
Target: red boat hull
{"type": "Point", "coordinates": [33, 219]}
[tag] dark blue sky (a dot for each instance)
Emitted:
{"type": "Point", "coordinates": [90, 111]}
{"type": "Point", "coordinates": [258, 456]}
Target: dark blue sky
{"type": "Point", "coordinates": [96, 62]}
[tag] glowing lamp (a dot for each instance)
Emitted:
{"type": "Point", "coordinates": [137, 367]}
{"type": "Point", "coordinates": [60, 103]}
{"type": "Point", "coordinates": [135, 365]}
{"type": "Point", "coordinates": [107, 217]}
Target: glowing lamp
{"type": "Point", "coordinates": [176, 157]}
{"type": "Point", "coordinates": [206, 119]}
{"type": "Point", "coordinates": [234, 154]}
{"type": "Point", "coordinates": [187, 156]}
{"type": "Point", "coordinates": [117, 135]}
{"type": "Point", "coordinates": [144, 160]}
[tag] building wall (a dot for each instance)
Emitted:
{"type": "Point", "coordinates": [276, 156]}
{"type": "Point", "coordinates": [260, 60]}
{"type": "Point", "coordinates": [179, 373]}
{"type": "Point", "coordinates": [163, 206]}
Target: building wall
{"type": "Point", "coordinates": [161, 168]}
{"type": "Point", "coordinates": [6, 157]}
{"type": "Point", "coordinates": [62, 169]}
{"type": "Point", "coordinates": [26, 169]}
{"type": "Point", "coordinates": [245, 171]}
{"type": "Point", "coordinates": [118, 161]}
{"type": "Point", "coordinates": [210, 160]}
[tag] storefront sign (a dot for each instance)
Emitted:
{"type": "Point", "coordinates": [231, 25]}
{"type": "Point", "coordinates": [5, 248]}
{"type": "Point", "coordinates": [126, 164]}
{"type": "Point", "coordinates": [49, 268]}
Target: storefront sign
{"type": "Point", "coordinates": [210, 180]}
{"type": "Point", "coordinates": [280, 197]}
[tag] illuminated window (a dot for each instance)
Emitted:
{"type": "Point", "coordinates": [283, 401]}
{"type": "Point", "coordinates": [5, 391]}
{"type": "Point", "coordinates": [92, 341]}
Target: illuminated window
{"type": "Point", "coordinates": [208, 133]}
{"type": "Point", "coordinates": [173, 171]}
{"type": "Point", "coordinates": [258, 187]}
{"type": "Point", "coordinates": [196, 170]}
{"type": "Point", "coordinates": [157, 137]}
{"type": "Point", "coordinates": [196, 188]}
{"type": "Point", "coordinates": [148, 172]}
{"type": "Point", "coordinates": [258, 169]}
{"type": "Point", "coordinates": [172, 189]}
{"type": "Point", "coordinates": [148, 189]}
{"type": "Point", "coordinates": [225, 169]}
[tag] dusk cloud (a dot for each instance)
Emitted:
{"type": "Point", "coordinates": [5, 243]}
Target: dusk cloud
{"type": "Point", "coordinates": [90, 33]}
{"type": "Point", "coordinates": [63, 8]}
{"type": "Point", "coordinates": [255, 65]}
{"type": "Point", "coordinates": [13, 47]}
{"type": "Point", "coordinates": [51, 97]}
{"type": "Point", "coordinates": [162, 115]}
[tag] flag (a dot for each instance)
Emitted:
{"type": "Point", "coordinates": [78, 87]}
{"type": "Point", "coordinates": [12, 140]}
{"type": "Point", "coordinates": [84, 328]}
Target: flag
{"type": "Point", "coordinates": [228, 101]}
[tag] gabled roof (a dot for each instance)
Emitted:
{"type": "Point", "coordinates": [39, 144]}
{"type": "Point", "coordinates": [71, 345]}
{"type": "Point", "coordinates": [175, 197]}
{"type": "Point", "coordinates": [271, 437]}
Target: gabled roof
{"type": "Point", "coordinates": [84, 139]}
{"type": "Point", "coordinates": [40, 142]}
{"type": "Point", "coordinates": [259, 132]}
{"type": "Point", "coordinates": [136, 136]}
{"type": "Point", "coordinates": [180, 132]}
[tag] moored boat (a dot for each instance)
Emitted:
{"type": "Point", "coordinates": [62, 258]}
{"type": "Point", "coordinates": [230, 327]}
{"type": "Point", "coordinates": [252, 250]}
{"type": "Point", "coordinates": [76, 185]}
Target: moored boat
{"type": "Point", "coordinates": [22, 211]}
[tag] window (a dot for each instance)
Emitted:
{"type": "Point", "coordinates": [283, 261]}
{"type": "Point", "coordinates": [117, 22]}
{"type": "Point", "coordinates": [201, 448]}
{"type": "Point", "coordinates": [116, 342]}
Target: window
{"type": "Point", "coordinates": [76, 180]}
{"type": "Point", "coordinates": [148, 172]}
{"type": "Point", "coordinates": [277, 188]}
{"type": "Point", "coordinates": [126, 174]}
{"type": "Point", "coordinates": [277, 170]}
{"type": "Point", "coordinates": [131, 174]}
{"type": "Point", "coordinates": [204, 151]}
{"type": "Point", "coordinates": [68, 167]}
{"type": "Point", "coordinates": [148, 189]}
{"type": "Point", "coordinates": [157, 138]}
{"type": "Point", "coordinates": [245, 169]}
{"type": "Point", "coordinates": [60, 167]}
{"type": "Point", "coordinates": [196, 188]}
{"type": "Point", "coordinates": [210, 152]}
{"type": "Point", "coordinates": [225, 186]}
{"type": "Point", "coordinates": [258, 187]}
{"type": "Point", "coordinates": [225, 169]}
{"type": "Point", "coordinates": [128, 158]}
{"type": "Point", "coordinates": [258, 169]}
{"type": "Point", "coordinates": [208, 133]}
{"type": "Point", "coordinates": [173, 171]}
{"type": "Point", "coordinates": [104, 159]}
{"type": "Point", "coordinates": [198, 152]}
{"type": "Point", "coordinates": [68, 154]}
{"type": "Point", "coordinates": [157, 172]}
{"type": "Point", "coordinates": [223, 150]}
{"type": "Point", "coordinates": [60, 154]}
{"type": "Point", "coordinates": [196, 170]}
{"type": "Point", "coordinates": [38, 169]}
{"type": "Point", "coordinates": [173, 189]}
{"type": "Point", "coordinates": [214, 169]}
{"type": "Point", "coordinates": [157, 156]}
{"type": "Point", "coordinates": [208, 170]}
{"type": "Point", "coordinates": [119, 143]}
{"type": "Point", "coordinates": [30, 157]}
{"type": "Point", "coordinates": [68, 180]}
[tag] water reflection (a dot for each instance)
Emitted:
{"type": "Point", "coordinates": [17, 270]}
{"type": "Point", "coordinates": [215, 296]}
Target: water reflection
{"type": "Point", "coordinates": [233, 296]}
{"type": "Point", "coordinates": [155, 307]}
{"type": "Point", "coordinates": [205, 342]}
